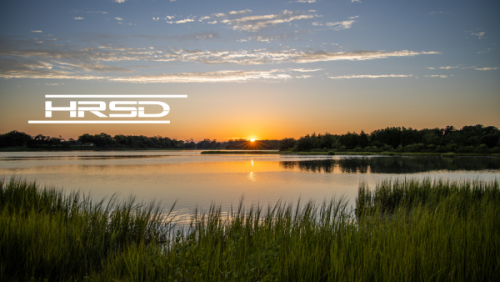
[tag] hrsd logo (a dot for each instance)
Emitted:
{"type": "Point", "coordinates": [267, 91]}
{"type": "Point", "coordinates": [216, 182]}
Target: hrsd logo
{"type": "Point", "coordinates": [127, 109]}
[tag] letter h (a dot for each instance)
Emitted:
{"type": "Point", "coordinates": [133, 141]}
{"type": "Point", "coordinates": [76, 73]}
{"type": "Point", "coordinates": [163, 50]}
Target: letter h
{"type": "Point", "coordinates": [49, 109]}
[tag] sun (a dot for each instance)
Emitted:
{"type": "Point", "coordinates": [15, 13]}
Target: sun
{"type": "Point", "coordinates": [252, 140]}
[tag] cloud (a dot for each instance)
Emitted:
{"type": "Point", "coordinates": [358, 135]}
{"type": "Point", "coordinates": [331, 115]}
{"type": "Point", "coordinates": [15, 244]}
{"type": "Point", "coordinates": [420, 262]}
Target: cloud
{"type": "Point", "coordinates": [437, 75]}
{"type": "Point", "coordinates": [204, 18]}
{"type": "Point", "coordinates": [478, 34]}
{"type": "Point", "coordinates": [352, 1]}
{"type": "Point", "coordinates": [89, 12]}
{"type": "Point", "coordinates": [449, 67]}
{"type": "Point", "coordinates": [259, 38]}
{"type": "Point", "coordinates": [200, 77]}
{"type": "Point", "coordinates": [370, 76]}
{"type": "Point", "coordinates": [119, 1]}
{"type": "Point", "coordinates": [102, 68]}
{"type": "Point", "coordinates": [240, 12]}
{"type": "Point", "coordinates": [118, 19]}
{"type": "Point", "coordinates": [42, 74]}
{"type": "Point", "coordinates": [255, 23]}
{"type": "Point", "coordinates": [45, 51]}
{"type": "Point", "coordinates": [431, 68]}
{"type": "Point", "coordinates": [36, 31]}
{"type": "Point", "coordinates": [188, 20]}
{"type": "Point", "coordinates": [306, 1]}
{"type": "Point", "coordinates": [34, 69]}
{"type": "Point", "coordinates": [78, 18]}
{"type": "Point", "coordinates": [156, 19]}
{"type": "Point", "coordinates": [188, 77]}
{"type": "Point", "coordinates": [54, 84]}
{"type": "Point", "coordinates": [339, 25]}
{"type": "Point", "coordinates": [305, 70]}
{"type": "Point", "coordinates": [486, 69]}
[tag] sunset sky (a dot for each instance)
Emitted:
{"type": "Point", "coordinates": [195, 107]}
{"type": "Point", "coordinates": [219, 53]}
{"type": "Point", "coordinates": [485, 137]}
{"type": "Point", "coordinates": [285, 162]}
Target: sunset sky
{"type": "Point", "coordinates": [254, 69]}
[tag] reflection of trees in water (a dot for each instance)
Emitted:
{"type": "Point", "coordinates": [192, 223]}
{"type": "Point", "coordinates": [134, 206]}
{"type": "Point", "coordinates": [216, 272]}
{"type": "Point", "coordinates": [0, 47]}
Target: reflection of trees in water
{"type": "Point", "coordinates": [395, 164]}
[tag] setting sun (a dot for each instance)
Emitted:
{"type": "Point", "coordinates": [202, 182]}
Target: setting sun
{"type": "Point", "coordinates": [252, 140]}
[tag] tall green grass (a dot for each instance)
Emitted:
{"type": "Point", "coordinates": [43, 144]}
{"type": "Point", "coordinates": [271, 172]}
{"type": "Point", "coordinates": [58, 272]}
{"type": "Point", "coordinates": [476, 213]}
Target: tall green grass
{"type": "Point", "coordinates": [436, 231]}
{"type": "Point", "coordinates": [48, 235]}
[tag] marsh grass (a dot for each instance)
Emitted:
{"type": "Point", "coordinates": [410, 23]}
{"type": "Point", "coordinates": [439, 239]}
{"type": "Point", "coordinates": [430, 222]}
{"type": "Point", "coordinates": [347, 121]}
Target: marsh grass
{"type": "Point", "coordinates": [48, 235]}
{"type": "Point", "coordinates": [435, 231]}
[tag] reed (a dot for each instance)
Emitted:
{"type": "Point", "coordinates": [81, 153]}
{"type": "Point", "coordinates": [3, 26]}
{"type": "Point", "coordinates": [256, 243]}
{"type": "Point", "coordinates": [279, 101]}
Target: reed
{"type": "Point", "coordinates": [435, 231]}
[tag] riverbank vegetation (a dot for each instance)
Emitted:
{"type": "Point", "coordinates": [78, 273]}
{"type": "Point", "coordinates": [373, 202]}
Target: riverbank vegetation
{"type": "Point", "coordinates": [401, 231]}
{"type": "Point", "coordinates": [476, 139]}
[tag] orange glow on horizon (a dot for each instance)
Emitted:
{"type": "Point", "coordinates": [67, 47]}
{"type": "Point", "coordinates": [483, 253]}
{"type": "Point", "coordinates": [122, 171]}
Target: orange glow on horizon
{"type": "Point", "coordinates": [252, 140]}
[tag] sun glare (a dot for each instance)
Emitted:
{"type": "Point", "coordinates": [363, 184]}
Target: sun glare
{"type": "Point", "coordinates": [252, 140]}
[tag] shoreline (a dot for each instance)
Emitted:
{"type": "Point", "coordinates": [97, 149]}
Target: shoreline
{"type": "Point", "coordinates": [247, 152]}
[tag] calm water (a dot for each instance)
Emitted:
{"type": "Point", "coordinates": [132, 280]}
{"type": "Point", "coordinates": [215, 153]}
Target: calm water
{"type": "Point", "coordinates": [195, 180]}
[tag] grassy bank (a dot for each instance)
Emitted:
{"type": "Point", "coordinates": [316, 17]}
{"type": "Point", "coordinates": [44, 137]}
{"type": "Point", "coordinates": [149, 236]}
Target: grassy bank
{"type": "Point", "coordinates": [436, 231]}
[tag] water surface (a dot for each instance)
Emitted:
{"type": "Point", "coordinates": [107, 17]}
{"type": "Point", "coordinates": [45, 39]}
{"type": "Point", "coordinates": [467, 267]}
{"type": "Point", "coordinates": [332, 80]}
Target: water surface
{"type": "Point", "coordinates": [195, 180]}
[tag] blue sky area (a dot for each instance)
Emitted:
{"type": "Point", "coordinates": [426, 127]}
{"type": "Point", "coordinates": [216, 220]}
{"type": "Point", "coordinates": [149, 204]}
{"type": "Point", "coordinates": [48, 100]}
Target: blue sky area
{"type": "Point", "coordinates": [276, 68]}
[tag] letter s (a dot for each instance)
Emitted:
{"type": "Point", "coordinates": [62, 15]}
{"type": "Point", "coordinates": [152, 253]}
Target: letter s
{"type": "Point", "coordinates": [113, 107]}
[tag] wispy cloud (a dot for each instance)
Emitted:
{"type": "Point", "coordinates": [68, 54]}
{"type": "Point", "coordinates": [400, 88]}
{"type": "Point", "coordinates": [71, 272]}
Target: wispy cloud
{"type": "Point", "coordinates": [259, 38]}
{"type": "Point", "coordinates": [118, 19]}
{"type": "Point", "coordinates": [89, 12]}
{"type": "Point", "coordinates": [240, 12]}
{"type": "Point", "coordinates": [28, 49]}
{"type": "Point", "coordinates": [188, 20]}
{"type": "Point", "coordinates": [486, 69]}
{"type": "Point", "coordinates": [258, 22]}
{"type": "Point", "coordinates": [303, 76]}
{"type": "Point", "coordinates": [305, 70]}
{"type": "Point", "coordinates": [306, 1]}
{"type": "Point", "coordinates": [339, 25]}
{"type": "Point", "coordinates": [343, 24]}
{"type": "Point", "coordinates": [120, 1]}
{"type": "Point", "coordinates": [204, 77]}
{"type": "Point", "coordinates": [43, 70]}
{"type": "Point", "coordinates": [449, 67]}
{"type": "Point", "coordinates": [371, 76]}
{"type": "Point", "coordinates": [78, 18]}
{"type": "Point", "coordinates": [437, 75]}
{"type": "Point", "coordinates": [352, 1]}
{"type": "Point", "coordinates": [464, 68]}
{"type": "Point", "coordinates": [37, 31]}
{"type": "Point", "coordinates": [478, 34]}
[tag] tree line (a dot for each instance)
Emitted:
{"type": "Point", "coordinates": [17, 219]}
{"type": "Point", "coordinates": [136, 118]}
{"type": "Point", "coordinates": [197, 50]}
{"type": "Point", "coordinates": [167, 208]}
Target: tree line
{"type": "Point", "coordinates": [469, 139]}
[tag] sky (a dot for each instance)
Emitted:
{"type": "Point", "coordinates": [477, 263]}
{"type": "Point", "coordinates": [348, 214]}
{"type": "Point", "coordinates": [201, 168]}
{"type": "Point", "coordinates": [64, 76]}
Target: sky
{"type": "Point", "coordinates": [253, 69]}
